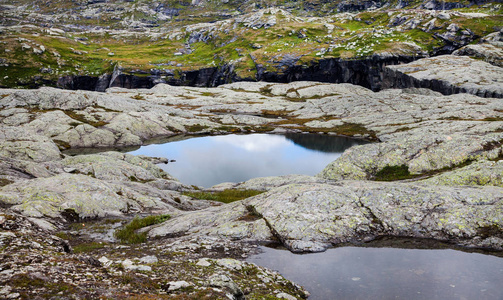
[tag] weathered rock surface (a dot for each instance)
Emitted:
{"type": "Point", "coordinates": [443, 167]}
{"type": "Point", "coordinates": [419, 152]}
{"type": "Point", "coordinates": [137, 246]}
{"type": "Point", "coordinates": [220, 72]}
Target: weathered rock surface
{"type": "Point", "coordinates": [90, 186]}
{"type": "Point", "coordinates": [487, 52]}
{"type": "Point", "coordinates": [478, 173]}
{"type": "Point", "coordinates": [448, 74]}
{"type": "Point", "coordinates": [457, 138]}
{"type": "Point", "coordinates": [312, 217]}
{"type": "Point", "coordinates": [416, 127]}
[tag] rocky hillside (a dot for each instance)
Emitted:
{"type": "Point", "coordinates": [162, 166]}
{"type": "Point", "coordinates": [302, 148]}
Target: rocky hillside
{"type": "Point", "coordinates": [98, 44]}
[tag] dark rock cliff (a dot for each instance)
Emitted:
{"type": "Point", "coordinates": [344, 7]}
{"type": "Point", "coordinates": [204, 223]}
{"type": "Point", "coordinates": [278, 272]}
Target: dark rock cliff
{"type": "Point", "coordinates": [367, 72]}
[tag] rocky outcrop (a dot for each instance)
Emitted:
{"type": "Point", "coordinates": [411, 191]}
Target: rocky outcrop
{"type": "Point", "coordinates": [312, 217]}
{"type": "Point", "coordinates": [478, 173]}
{"type": "Point", "coordinates": [448, 75]}
{"type": "Point", "coordinates": [487, 52]}
{"type": "Point", "coordinates": [97, 185]}
{"type": "Point", "coordinates": [420, 134]}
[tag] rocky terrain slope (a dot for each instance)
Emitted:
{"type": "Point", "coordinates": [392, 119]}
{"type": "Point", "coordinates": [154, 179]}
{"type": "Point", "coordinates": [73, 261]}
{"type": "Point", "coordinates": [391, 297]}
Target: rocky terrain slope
{"type": "Point", "coordinates": [441, 153]}
{"type": "Point", "coordinates": [94, 45]}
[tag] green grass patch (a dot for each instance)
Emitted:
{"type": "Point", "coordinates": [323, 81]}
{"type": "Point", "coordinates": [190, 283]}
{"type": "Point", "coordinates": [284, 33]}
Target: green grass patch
{"type": "Point", "coordinates": [225, 196]}
{"type": "Point", "coordinates": [87, 247]}
{"type": "Point", "coordinates": [129, 235]}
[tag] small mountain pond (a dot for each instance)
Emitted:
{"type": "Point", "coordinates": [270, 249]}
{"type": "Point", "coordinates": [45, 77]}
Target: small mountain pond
{"type": "Point", "coordinates": [210, 160]}
{"type": "Point", "coordinates": [390, 273]}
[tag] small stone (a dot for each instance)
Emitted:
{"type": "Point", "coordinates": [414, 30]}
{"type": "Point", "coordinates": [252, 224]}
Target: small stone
{"type": "Point", "coordinates": [149, 259]}
{"type": "Point", "coordinates": [5, 290]}
{"type": "Point", "coordinates": [36, 245]}
{"type": "Point", "coordinates": [13, 296]}
{"type": "Point", "coordinates": [69, 170]}
{"type": "Point", "coordinates": [203, 262]}
{"type": "Point", "coordinates": [127, 264]}
{"type": "Point", "coordinates": [7, 233]}
{"type": "Point", "coordinates": [142, 268]}
{"type": "Point", "coordinates": [230, 263]}
{"type": "Point", "coordinates": [285, 296]}
{"type": "Point", "coordinates": [176, 285]}
{"type": "Point", "coordinates": [105, 261]}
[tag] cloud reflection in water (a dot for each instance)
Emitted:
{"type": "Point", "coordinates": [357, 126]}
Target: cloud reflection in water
{"type": "Point", "coordinates": [389, 273]}
{"type": "Point", "coordinates": [206, 161]}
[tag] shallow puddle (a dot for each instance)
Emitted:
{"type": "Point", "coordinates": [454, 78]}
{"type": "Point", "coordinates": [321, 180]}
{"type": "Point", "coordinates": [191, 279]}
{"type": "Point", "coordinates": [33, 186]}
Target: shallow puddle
{"type": "Point", "coordinates": [206, 161]}
{"type": "Point", "coordinates": [389, 273]}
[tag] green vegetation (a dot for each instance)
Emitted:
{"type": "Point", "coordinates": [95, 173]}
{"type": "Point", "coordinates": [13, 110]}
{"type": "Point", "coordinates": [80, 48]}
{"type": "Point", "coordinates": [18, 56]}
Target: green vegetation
{"type": "Point", "coordinates": [4, 182]}
{"type": "Point", "coordinates": [87, 247]}
{"type": "Point", "coordinates": [225, 196]}
{"type": "Point", "coordinates": [391, 173]}
{"type": "Point", "coordinates": [352, 129]}
{"type": "Point", "coordinates": [82, 118]}
{"type": "Point", "coordinates": [196, 128]}
{"type": "Point", "coordinates": [129, 235]}
{"type": "Point", "coordinates": [27, 282]}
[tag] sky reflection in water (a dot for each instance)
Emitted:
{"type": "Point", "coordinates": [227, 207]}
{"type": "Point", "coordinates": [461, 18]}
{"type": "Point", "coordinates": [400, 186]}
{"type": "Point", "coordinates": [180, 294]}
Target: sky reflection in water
{"type": "Point", "coordinates": [389, 273]}
{"type": "Point", "coordinates": [206, 161]}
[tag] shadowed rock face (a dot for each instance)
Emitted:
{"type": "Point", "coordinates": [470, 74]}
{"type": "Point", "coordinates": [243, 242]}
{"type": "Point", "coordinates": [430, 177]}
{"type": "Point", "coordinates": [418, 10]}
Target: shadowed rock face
{"type": "Point", "coordinates": [368, 72]}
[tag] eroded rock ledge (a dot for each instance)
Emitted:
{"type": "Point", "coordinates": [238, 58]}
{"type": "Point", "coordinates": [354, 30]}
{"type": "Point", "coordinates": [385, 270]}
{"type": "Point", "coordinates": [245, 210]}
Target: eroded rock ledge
{"type": "Point", "coordinates": [443, 152]}
{"type": "Point", "coordinates": [449, 74]}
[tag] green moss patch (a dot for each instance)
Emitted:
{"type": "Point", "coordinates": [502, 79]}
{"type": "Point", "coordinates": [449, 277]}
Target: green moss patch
{"type": "Point", "coordinates": [225, 196]}
{"type": "Point", "coordinates": [4, 182]}
{"type": "Point", "coordinates": [83, 119]}
{"type": "Point", "coordinates": [129, 235]}
{"type": "Point", "coordinates": [391, 173]}
{"type": "Point", "coordinates": [196, 128]}
{"type": "Point", "coordinates": [352, 129]}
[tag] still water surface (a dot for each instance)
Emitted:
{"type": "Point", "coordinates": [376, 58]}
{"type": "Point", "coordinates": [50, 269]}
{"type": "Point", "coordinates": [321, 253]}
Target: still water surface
{"type": "Point", "coordinates": [389, 273]}
{"type": "Point", "coordinates": [206, 161]}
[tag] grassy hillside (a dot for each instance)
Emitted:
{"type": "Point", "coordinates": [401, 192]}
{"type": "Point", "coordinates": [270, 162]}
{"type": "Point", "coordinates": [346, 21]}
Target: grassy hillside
{"type": "Point", "coordinates": [176, 36]}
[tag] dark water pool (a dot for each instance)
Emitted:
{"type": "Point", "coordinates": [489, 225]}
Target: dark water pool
{"type": "Point", "coordinates": [389, 273]}
{"type": "Point", "coordinates": [206, 161]}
